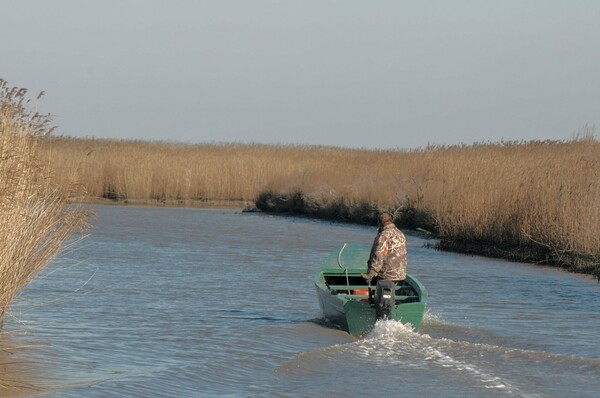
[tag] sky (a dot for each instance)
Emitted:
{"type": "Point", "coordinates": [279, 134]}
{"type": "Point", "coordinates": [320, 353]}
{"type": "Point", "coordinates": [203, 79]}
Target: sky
{"type": "Point", "coordinates": [362, 74]}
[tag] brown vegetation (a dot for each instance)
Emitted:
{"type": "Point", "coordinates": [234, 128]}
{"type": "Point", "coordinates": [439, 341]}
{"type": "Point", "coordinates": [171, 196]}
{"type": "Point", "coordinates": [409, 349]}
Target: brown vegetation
{"type": "Point", "coordinates": [535, 201]}
{"type": "Point", "coordinates": [35, 223]}
{"type": "Point", "coordinates": [164, 171]}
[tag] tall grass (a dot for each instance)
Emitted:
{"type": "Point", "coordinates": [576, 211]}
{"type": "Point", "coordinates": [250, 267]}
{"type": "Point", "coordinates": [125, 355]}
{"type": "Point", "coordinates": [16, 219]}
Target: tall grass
{"type": "Point", "coordinates": [529, 200]}
{"type": "Point", "coordinates": [165, 171]}
{"type": "Point", "coordinates": [35, 222]}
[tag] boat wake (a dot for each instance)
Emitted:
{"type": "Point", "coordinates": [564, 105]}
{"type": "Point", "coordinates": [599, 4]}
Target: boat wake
{"type": "Point", "coordinates": [390, 337]}
{"type": "Point", "coordinates": [393, 351]}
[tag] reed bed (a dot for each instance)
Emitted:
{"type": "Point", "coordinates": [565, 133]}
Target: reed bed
{"type": "Point", "coordinates": [169, 172]}
{"type": "Point", "coordinates": [35, 222]}
{"type": "Point", "coordinates": [535, 201]}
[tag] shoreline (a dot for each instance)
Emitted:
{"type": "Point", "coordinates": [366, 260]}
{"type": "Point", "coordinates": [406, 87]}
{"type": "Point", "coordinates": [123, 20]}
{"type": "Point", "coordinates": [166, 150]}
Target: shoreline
{"type": "Point", "coordinates": [421, 222]}
{"type": "Point", "coordinates": [229, 204]}
{"type": "Point", "coordinates": [366, 214]}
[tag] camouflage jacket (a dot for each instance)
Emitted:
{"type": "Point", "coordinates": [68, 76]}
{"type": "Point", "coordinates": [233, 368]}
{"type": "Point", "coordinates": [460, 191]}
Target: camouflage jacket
{"type": "Point", "coordinates": [388, 255]}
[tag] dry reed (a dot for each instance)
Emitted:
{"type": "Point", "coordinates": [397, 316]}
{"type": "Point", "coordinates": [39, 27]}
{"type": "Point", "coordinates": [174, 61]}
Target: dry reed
{"type": "Point", "coordinates": [541, 198]}
{"type": "Point", "coordinates": [35, 222]}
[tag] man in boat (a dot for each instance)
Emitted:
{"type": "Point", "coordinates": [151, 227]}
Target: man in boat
{"type": "Point", "coordinates": [386, 265]}
{"type": "Point", "coordinates": [388, 254]}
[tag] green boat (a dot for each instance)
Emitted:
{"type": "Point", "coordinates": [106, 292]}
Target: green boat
{"type": "Point", "coordinates": [350, 303]}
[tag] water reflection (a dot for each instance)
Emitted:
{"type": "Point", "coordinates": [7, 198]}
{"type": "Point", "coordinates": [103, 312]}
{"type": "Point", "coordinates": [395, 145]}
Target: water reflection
{"type": "Point", "coordinates": [18, 373]}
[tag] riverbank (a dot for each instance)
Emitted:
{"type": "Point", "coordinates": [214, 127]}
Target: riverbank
{"type": "Point", "coordinates": [187, 203]}
{"type": "Point", "coordinates": [423, 222]}
{"type": "Point", "coordinates": [416, 221]}
{"type": "Point", "coordinates": [533, 201]}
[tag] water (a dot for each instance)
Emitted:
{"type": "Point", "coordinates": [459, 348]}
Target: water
{"type": "Point", "coordinates": [205, 303]}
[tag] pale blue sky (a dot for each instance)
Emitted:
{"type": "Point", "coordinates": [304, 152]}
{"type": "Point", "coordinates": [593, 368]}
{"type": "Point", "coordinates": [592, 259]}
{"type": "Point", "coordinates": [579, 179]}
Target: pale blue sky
{"type": "Point", "coordinates": [367, 74]}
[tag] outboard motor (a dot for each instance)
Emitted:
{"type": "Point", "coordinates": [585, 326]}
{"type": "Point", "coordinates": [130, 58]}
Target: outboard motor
{"type": "Point", "coordinates": [385, 299]}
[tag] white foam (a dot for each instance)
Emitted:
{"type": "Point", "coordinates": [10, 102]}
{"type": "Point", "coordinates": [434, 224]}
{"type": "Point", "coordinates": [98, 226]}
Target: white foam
{"type": "Point", "coordinates": [433, 317]}
{"type": "Point", "coordinates": [389, 329]}
{"type": "Point", "coordinates": [394, 340]}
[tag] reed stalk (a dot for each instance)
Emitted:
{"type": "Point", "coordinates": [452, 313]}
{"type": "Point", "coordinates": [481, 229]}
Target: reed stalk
{"type": "Point", "coordinates": [35, 221]}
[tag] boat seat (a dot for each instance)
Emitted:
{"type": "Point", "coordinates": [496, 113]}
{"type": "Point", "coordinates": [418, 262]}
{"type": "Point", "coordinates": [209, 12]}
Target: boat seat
{"type": "Point", "coordinates": [399, 299]}
{"type": "Point", "coordinates": [350, 287]}
{"type": "Point", "coordinates": [363, 287]}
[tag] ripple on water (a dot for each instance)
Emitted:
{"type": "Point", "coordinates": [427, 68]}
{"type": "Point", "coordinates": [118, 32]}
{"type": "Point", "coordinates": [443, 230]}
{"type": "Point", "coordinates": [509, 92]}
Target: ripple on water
{"type": "Point", "coordinates": [180, 302]}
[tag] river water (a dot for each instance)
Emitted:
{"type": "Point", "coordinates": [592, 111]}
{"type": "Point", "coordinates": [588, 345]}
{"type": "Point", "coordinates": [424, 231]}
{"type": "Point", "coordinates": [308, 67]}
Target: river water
{"type": "Point", "coordinates": [167, 302]}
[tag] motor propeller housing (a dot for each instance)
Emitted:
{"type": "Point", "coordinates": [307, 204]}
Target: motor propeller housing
{"type": "Point", "coordinates": [385, 298]}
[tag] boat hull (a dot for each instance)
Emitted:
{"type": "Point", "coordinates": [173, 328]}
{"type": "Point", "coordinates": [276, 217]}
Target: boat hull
{"type": "Point", "coordinates": [345, 303]}
{"type": "Point", "coordinates": [359, 317]}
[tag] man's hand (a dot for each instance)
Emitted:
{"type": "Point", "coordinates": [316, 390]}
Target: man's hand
{"type": "Point", "coordinates": [367, 278]}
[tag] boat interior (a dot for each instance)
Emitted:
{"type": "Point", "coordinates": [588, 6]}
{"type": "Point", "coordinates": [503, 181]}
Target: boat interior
{"type": "Point", "coordinates": [355, 287]}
